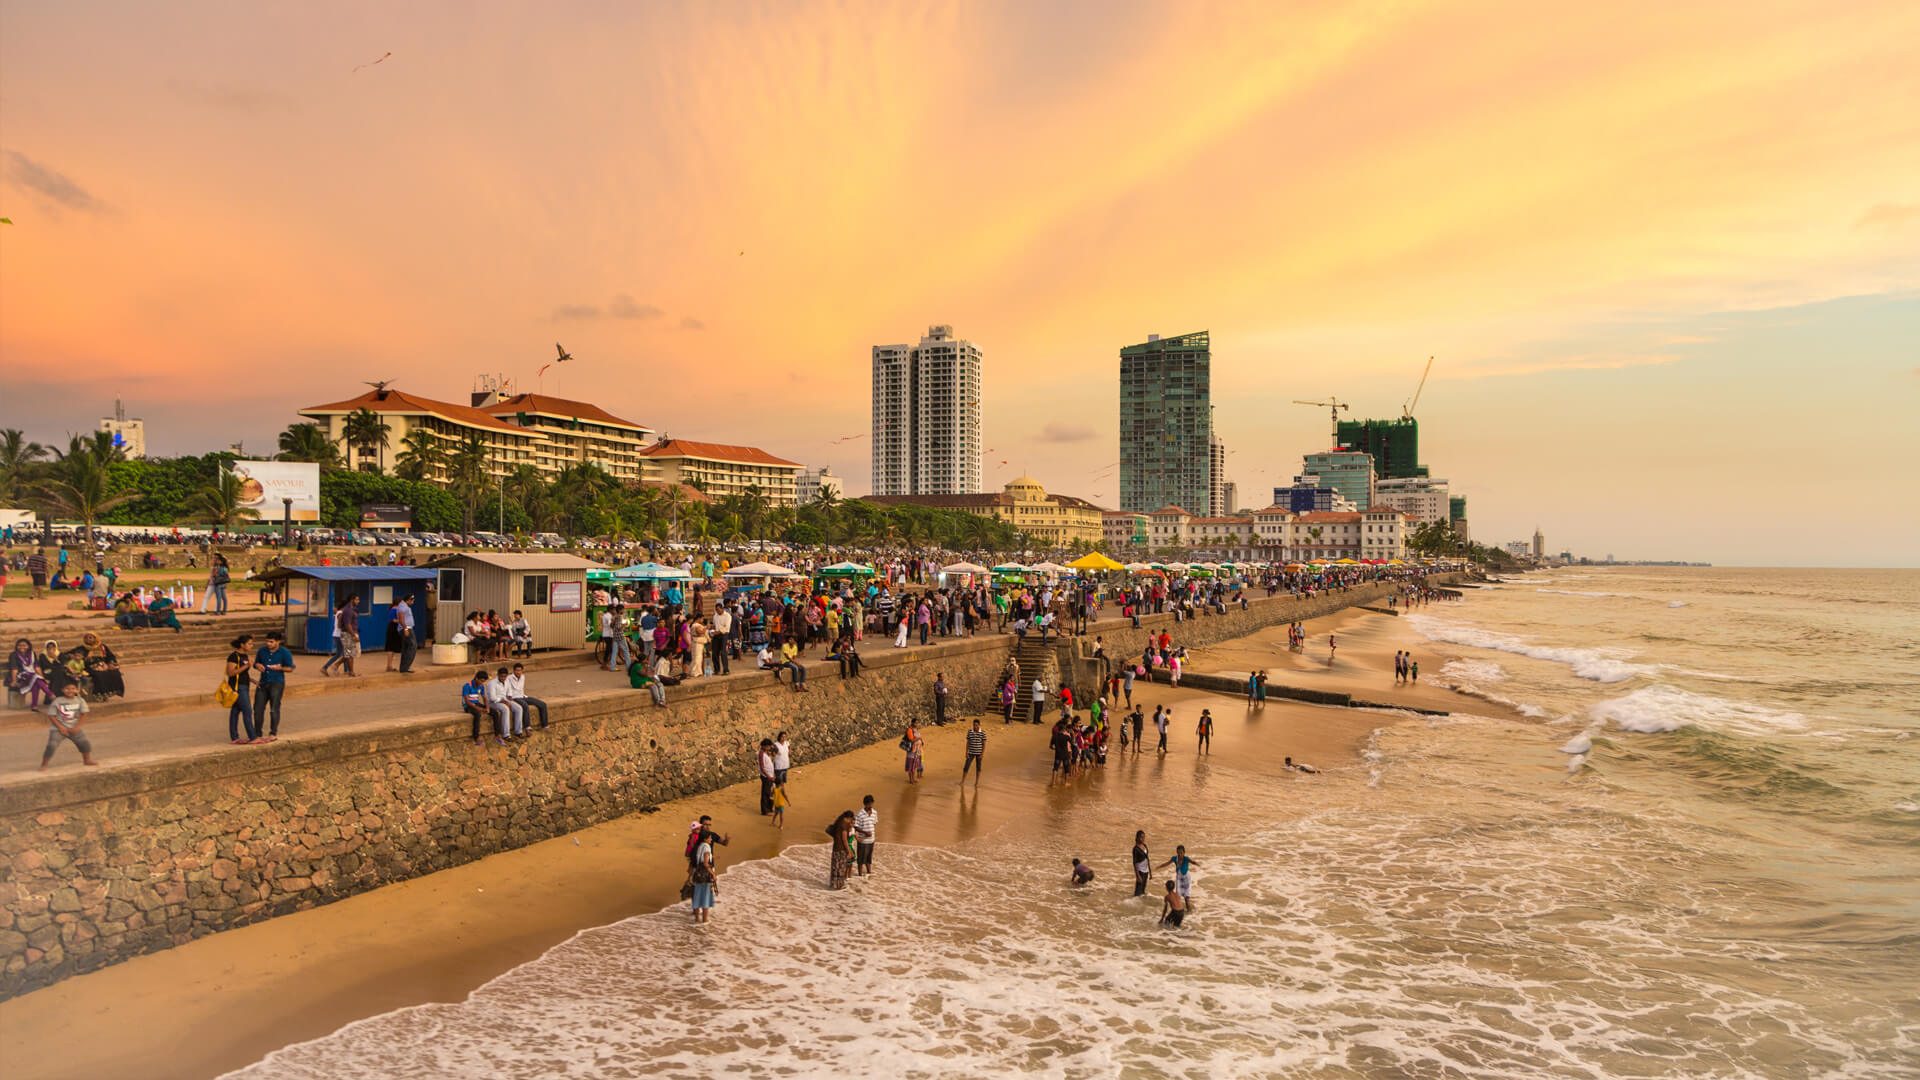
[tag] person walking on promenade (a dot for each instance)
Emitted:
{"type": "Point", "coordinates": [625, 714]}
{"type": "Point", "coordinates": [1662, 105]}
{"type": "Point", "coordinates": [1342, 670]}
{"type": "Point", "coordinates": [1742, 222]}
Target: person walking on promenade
{"type": "Point", "coordinates": [273, 661]}
{"type": "Point", "coordinates": [866, 824]}
{"type": "Point", "coordinates": [765, 761]}
{"type": "Point", "coordinates": [347, 622]}
{"type": "Point", "coordinates": [722, 635]}
{"type": "Point", "coordinates": [700, 873]}
{"type": "Point", "coordinates": [391, 646]}
{"type": "Point", "coordinates": [840, 857]}
{"type": "Point", "coordinates": [65, 715]}
{"type": "Point", "coordinates": [517, 693]}
{"type": "Point", "coordinates": [940, 699]}
{"type": "Point", "coordinates": [976, 747]}
{"type": "Point", "coordinates": [1142, 863]}
{"type": "Point", "coordinates": [1206, 733]}
{"type": "Point", "coordinates": [473, 701]}
{"type": "Point", "coordinates": [915, 746]}
{"type": "Point", "coordinates": [409, 635]}
{"type": "Point", "coordinates": [240, 684]}
{"type": "Point", "coordinates": [37, 572]}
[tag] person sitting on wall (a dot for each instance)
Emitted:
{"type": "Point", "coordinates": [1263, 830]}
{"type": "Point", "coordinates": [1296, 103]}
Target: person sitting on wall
{"type": "Point", "coordinates": [640, 679]}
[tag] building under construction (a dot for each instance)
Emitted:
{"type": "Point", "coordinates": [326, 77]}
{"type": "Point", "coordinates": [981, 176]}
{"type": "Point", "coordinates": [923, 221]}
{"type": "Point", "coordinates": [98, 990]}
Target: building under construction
{"type": "Point", "coordinates": [1394, 445]}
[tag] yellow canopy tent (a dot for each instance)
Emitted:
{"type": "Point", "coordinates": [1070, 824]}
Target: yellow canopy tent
{"type": "Point", "coordinates": [1093, 560]}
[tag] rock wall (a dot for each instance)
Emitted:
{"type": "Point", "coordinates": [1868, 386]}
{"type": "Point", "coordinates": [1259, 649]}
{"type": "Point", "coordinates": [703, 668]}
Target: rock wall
{"type": "Point", "coordinates": [104, 864]}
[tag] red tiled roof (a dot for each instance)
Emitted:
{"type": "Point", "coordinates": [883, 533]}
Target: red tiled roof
{"type": "Point", "coordinates": [746, 455]}
{"type": "Point", "coordinates": [1228, 519]}
{"type": "Point", "coordinates": [1170, 509]}
{"type": "Point", "coordinates": [1075, 502]}
{"type": "Point", "coordinates": [687, 491]}
{"type": "Point", "coordinates": [553, 406]}
{"type": "Point", "coordinates": [399, 401]}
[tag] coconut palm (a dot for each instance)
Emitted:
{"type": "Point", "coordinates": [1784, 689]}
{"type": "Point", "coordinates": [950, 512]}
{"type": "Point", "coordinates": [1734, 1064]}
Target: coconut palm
{"type": "Point", "coordinates": [217, 504]}
{"type": "Point", "coordinates": [19, 458]}
{"type": "Point", "coordinates": [367, 433]}
{"type": "Point", "coordinates": [467, 474]}
{"type": "Point", "coordinates": [421, 456]}
{"type": "Point", "coordinates": [309, 442]}
{"type": "Point", "coordinates": [76, 485]}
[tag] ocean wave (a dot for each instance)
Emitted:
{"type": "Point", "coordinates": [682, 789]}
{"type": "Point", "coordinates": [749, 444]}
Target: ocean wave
{"type": "Point", "coordinates": [1661, 708]}
{"type": "Point", "coordinates": [1598, 665]}
{"type": "Point", "coordinates": [1476, 671]}
{"type": "Point", "coordinates": [1579, 744]}
{"type": "Point", "coordinates": [1576, 592]}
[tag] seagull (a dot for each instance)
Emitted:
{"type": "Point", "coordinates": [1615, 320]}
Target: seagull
{"type": "Point", "coordinates": [380, 385]}
{"type": "Point", "coordinates": [562, 358]}
{"type": "Point", "coordinates": [383, 57]}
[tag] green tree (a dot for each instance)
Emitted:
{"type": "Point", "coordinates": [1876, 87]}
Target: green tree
{"type": "Point", "coordinates": [467, 475]}
{"type": "Point", "coordinates": [76, 486]}
{"type": "Point", "coordinates": [217, 505]}
{"type": "Point", "coordinates": [367, 433]}
{"type": "Point", "coordinates": [307, 442]}
{"type": "Point", "coordinates": [421, 456]}
{"type": "Point", "coordinates": [19, 459]}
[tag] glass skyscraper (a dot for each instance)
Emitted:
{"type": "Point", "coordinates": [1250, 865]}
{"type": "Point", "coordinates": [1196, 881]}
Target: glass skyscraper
{"type": "Point", "coordinates": [1166, 424]}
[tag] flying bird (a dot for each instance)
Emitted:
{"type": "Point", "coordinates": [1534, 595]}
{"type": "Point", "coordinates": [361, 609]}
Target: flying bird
{"type": "Point", "coordinates": [383, 58]}
{"type": "Point", "coordinates": [380, 385]}
{"type": "Point", "coordinates": [562, 357]}
{"type": "Point", "coordinates": [848, 438]}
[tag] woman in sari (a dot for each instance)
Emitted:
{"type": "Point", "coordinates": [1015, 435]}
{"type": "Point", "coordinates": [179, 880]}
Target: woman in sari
{"type": "Point", "coordinates": [103, 667]}
{"type": "Point", "coordinates": [840, 863]}
{"type": "Point", "coordinates": [24, 676]}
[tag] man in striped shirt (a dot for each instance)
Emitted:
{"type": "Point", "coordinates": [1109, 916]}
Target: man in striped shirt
{"type": "Point", "coordinates": [976, 746]}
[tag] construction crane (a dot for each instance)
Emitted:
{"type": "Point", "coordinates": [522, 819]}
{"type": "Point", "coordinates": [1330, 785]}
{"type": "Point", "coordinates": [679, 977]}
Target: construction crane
{"type": "Point", "coordinates": [1332, 405]}
{"type": "Point", "coordinates": [1406, 411]}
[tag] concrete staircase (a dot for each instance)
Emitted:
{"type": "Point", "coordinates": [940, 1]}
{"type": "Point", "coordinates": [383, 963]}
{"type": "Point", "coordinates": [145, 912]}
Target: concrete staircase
{"type": "Point", "coordinates": [200, 637]}
{"type": "Point", "coordinates": [1035, 659]}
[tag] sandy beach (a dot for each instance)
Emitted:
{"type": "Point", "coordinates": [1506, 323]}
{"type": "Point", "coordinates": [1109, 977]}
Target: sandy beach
{"type": "Point", "coordinates": [224, 1001]}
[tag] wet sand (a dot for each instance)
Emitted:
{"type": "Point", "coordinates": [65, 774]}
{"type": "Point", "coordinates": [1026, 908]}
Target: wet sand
{"type": "Point", "coordinates": [227, 1000]}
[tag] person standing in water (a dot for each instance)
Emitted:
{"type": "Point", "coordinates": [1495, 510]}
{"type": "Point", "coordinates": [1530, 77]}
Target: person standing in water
{"type": "Point", "coordinates": [1142, 863]}
{"type": "Point", "coordinates": [1173, 910]}
{"type": "Point", "coordinates": [1206, 732]}
{"type": "Point", "coordinates": [1183, 867]}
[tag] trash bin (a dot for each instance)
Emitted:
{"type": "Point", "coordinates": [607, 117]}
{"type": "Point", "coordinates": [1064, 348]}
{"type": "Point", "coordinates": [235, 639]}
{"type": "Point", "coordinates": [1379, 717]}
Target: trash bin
{"type": "Point", "coordinates": [447, 652]}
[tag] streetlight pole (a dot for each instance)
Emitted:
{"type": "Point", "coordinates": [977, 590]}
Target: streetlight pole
{"type": "Point", "coordinates": [502, 505]}
{"type": "Point", "coordinates": [286, 520]}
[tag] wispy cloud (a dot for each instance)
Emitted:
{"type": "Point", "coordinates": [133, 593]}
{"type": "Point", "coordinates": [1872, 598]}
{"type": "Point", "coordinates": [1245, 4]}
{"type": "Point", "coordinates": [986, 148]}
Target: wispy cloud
{"type": "Point", "coordinates": [232, 97]}
{"type": "Point", "coordinates": [625, 307]}
{"type": "Point", "coordinates": [622, 306]}
{"type": "Point", "coordinates": [52, 184]}
{"type": "Point", "coordinates": [1056, 432]}
{"type": "Point", "coordinates": [691, 323]}
{"type": "Point", "coordinates": [1888, 215]}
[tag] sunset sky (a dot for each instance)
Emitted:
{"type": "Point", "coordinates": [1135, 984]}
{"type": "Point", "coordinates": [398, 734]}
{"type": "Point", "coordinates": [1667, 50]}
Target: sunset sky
{"type": "Point", "coordinates": [1667, 256]}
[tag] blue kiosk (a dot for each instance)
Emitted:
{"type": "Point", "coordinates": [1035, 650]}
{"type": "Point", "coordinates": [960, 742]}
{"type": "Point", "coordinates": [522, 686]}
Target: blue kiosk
{"type": "Point", "coordinates": [310, 610]}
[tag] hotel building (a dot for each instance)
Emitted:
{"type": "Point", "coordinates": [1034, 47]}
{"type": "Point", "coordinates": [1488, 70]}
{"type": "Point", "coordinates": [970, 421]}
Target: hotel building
{"type": "Point", "coordinates": [926, 416]}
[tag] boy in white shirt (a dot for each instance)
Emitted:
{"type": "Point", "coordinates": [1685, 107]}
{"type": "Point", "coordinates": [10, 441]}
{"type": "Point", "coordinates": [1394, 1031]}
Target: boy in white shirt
{"type": "Point", "coordinates": [517, 693]}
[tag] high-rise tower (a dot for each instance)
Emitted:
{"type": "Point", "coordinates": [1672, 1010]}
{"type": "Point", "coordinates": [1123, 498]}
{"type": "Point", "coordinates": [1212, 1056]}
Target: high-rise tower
{"type": "Point", "coordinates": [1166, 424]}
{"type": "Point", "coordinates": [926, 416]}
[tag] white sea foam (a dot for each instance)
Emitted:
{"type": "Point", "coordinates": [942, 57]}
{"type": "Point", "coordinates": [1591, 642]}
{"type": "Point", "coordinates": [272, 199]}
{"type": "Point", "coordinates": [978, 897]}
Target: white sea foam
{"type": "Point", "coordinates": [1599, 665]}
{"type": "Point", "coordinates": [1474, 671]}
{"type": "Point", "coordinates": [1576, 592]}
{"type": "Point", "coordinates": [1576, 763]}
{"type": "Point", "coordinates": [1676, 603]}
{"type": "Point", "coordinates": [1579, 744]}
{"type": "Point", "coordinates": [1907, 806]}
{"type": "Point", "coordinates": [1662, 708]}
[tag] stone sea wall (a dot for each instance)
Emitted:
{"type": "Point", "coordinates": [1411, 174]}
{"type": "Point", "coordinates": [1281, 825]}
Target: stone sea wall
{"type": "Point", "coordinates": [100, 865]}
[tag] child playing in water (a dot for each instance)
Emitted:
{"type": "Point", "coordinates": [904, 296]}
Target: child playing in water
{"type": "Point", "coordinates": [779, 805]}
{"type": "Point", "coordinates": [1173, 910]}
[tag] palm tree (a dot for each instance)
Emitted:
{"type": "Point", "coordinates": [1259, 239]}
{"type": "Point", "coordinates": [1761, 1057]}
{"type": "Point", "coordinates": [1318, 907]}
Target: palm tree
{"type": "Point", "coordinates": [467, 474]}
{"type": "Point", "coordinates": [367, 433]}
{"type": "Point", "coordinates": [76, 484]}
{"type": "Point", "coordinates": [18, 460]}
{"type": "Point", "coordinates": [307, 442]}
{"type": "Point", "coordinates": [218, 504]}
{"type": "Point", "coordinates": [421, 455]}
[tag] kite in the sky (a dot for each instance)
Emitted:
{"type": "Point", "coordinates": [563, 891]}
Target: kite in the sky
{"type": "Point", "coordinates": [563, 357]}
{"type": "Point", "coordinates": [383, 57]}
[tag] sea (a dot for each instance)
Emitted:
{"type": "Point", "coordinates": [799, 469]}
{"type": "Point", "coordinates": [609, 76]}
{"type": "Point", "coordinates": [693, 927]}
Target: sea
{"type": "Point", "coordinates": [1684, 841]}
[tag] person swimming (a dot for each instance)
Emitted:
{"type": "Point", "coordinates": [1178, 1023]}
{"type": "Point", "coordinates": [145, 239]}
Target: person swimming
{"type": "Point", "coordinates": [1301, 766]}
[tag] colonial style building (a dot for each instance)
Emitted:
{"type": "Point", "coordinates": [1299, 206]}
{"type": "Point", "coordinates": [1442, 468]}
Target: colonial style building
{"type": "Point", "coordinates": [1124, 529]}
{"type": "Point", "coordinates": [1277, 534]}
{"type": "Point", "coordinates": [1051, 520]}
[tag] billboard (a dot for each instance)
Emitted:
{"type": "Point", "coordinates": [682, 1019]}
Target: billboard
{"type": "Point", "coordinates": [386, 516]}
{"type": "Point", "coordinates": [264, 484]}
